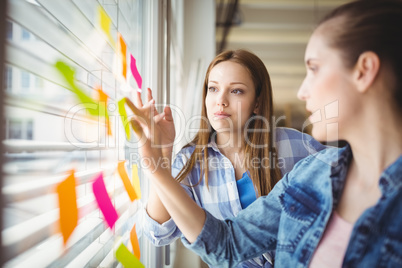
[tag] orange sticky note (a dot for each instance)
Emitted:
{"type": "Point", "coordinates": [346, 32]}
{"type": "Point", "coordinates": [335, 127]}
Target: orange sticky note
{"type": "Point", "coordinates": [122, 52]}
{"type": "Point", "coordinates": [136, 180]}
{"type": "Point", "coordinates": [105, 22]}
{"type": "Point", "coordinates": [68, 206]}
{"type": "Point", "coordinates": [124, 256]}
{"type": "Point", "coordinates": [102, 97]}
{"type": "Point", "coordinates": [126, 181]}
{"type": "Point", "coordinates": [134, 242]}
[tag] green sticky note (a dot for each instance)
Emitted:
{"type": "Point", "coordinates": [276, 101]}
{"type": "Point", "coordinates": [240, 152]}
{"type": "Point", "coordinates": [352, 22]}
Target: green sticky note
{"type": "Point", "coordinates": [123, 116]}
{"type": "Point", "coordinates": [93, 107]}
{"type": "Point", "coordinates": [126, 258]}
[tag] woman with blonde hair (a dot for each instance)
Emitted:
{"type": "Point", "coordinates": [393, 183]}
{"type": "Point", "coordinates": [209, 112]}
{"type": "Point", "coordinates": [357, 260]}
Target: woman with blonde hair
{"type": "Point", "coordinates": [237, 155]}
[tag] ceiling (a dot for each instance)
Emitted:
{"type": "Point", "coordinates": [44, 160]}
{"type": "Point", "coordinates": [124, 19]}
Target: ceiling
{"type": "Point", "coordinates": [277, 31]}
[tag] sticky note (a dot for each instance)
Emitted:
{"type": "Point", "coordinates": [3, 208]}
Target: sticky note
{"type": "Point", "coordinates": [90, 104]}
{"type": "Point", "coordinates": [122, 54]}
{"type": "Point", "coordinates": [104, 202]}
{"type": "Point", "coordinates": [124, 256]}
{"type": "Point", "coordinates": [136, 180]}
{"type": "Point", "coordinates": [105, 22]}
{"type": "Point", "coordinates": [123, 116]}
{"type": "Point", "coordinates": [102, 98]}
{"type": "Point", "coordinates": [126, 181]}
{"type": "Point", "coordinates": [134, 71]}
{"type": "Point", "coordinates": [68, 206]}
{"type": "Point", "coordinates": [134, 242]}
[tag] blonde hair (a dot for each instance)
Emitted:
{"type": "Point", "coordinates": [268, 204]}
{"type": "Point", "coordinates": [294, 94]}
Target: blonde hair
{"type": "Point", "coordinates": [262, 144]}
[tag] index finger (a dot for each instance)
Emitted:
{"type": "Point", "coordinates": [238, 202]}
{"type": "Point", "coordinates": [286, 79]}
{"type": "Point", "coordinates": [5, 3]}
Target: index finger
{"type": "Point", "coordinates": [139, 100]}
{"type": "Point", "coordinates": [149, 91]}
{"type": "Point", "coordinates": [132, 106]}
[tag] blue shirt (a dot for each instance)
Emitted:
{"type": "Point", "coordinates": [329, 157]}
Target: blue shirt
{"type": "Point", "coordinates": [292, 219]}
{"type": "Point", "coordinates": [246, 189]}
{"type": "Point", "coordinates": [221, 198]}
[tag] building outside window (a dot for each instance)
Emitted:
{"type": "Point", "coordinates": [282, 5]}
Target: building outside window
{"type": "Point", "coordinates": [25, 80]}
{"type": "Point", "coordinates": [8, 78]}
{"type": "Point", "coordinates": [9, 30]}
{"type": "Point", "coordinates": [25, 34]}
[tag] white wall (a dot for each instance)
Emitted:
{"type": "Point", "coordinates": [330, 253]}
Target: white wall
{"type": "Point", "coordinates": [198, 51]}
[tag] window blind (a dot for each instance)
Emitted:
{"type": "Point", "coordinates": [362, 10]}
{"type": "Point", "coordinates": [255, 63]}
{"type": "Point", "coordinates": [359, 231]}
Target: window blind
{"type": "Point", "coordinates": [47, 132]}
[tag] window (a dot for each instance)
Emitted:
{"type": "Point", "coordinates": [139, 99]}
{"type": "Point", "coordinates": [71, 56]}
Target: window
{"type": "Point", "coordinates": [8, 78]}
{"type": "Point", "coordinates": [25, 80]}
{"type": "Point", "coordinates": [29, 129]}
{"type": "Point", "coordinates": [25, 35]}
{"type": "Point", "coordinates": [20, 129]}
{"type": "Point", "coordinates": [15, 129]}
{"type": "Point", "coordinates": [48, 133]}
{"type": "Point", "coordinates": [9, 30]}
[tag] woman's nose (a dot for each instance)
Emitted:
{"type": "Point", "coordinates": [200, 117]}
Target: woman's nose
{"type": "Point", "coordinates": [302, 93]}
{"type": "Point", "coordinates": [222, 100]}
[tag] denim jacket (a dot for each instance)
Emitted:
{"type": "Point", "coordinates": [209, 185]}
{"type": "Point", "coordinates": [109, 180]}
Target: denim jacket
{"type": "Point", "coordinates": [292, 219]}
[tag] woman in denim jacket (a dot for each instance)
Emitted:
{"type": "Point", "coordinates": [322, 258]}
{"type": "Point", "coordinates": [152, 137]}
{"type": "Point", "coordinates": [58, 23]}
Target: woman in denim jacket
{"type": "Point", "coordinates": [339, 207]}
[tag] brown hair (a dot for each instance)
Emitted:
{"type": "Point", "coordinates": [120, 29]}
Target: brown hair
{"type": "Point", "coordinates": [370, 25]}
{"type": "Point", "coordinates": [261, 144]}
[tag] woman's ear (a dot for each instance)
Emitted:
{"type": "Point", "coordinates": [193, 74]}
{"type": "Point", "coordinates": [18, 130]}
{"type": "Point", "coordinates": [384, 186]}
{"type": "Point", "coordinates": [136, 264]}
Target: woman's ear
{"type": "Point", "coordinates": [256, 108]}
{"type": "Point", "coordinates": [366, 70]}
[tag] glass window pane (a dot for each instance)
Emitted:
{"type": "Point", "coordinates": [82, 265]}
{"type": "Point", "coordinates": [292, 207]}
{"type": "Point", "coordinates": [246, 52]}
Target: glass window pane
{"type": "Point", "coordinates": [15, 129]}
{"type": "Point", "coordinates": [25, 34]}
{"type": "Point", "coordinates": [24, 79]}
{"type": "Point", "coordinates": [9, 30]}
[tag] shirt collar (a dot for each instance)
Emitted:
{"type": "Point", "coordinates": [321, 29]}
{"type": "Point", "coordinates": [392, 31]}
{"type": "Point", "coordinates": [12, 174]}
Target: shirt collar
{"type": "Point", "coordinates": [391, 177]}
{"type": "Point", "coordinates": [390, 180]}
{"type": "Point", "coordinates": [212, 144]}
{"type": "Point", "coordinates": [339, 168]}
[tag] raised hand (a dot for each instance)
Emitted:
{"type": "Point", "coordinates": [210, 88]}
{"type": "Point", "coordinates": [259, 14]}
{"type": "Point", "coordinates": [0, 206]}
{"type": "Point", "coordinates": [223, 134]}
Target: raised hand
{"type": "Point", "coordinates": [164, 120]}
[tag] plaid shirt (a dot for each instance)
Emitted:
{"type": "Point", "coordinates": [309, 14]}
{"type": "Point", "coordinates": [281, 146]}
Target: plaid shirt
{"type": "Point", "coordinates": [221, 198]}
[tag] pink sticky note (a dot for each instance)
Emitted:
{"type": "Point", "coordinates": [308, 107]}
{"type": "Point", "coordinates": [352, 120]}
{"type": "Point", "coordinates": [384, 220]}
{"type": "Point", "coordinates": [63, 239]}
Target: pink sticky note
{"type": "Point", "coordinates": [135, 72]}
{"type": "Point", "coordinates": [104, 202]}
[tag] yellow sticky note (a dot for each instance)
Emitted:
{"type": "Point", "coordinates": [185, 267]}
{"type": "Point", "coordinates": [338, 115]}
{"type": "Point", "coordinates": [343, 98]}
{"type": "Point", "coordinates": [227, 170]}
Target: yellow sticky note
{"type": "Point", "coordinates": [90, 104]}
{"type": "Point", "coordinates": [126, 181]}
{"type": "Point", "coordinates": [68, 206]}
{"type": "Point", "coordinates": [136, 180]}
{"type": "Point", "coordinates": [105, 22]}
{"type": "Point", "coordinates": [124, 256]}
{"type": "Point", "coordinates": [134, 242]}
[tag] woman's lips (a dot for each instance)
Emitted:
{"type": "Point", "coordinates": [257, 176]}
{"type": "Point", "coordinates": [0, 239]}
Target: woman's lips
{"type": "Point", "coordinates": [221, 115]}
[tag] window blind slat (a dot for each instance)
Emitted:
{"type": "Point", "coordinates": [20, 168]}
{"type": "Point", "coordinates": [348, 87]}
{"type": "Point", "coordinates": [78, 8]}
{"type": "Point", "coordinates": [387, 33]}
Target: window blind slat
{"type": "Point", "coordinates": [57, 36]}
{"type": "Point", "coordinates": [23, 191]}
{"type": "Point", "coordinates": [39, 101]}
{"type": "Point", "coordinates": [20, 238]}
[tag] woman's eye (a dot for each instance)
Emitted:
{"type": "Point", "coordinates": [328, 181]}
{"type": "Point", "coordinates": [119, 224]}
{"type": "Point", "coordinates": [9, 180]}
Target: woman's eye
{"type": "Point", "coordinates": [237, 91]}
{"type": "Point", "coordinates": [313, 69]}
{"type": "Point", "coordinates": [212, 89]}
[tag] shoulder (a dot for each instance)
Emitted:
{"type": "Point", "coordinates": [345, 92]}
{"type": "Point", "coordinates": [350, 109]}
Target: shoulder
{"type": "Point", "coordinates": [182, 157]}
{"type": "Point", "coordinates": [323, 160]}
{"type": "Point", "coordinates": [295, 144]}
{"type": "Point", "coordinates": [185, 151]}
{"type": "Point", "coordinates": [284, 133]}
